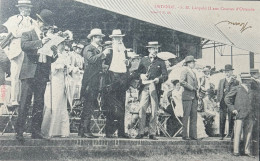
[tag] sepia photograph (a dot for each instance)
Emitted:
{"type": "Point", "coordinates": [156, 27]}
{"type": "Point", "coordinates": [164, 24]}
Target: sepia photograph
{"type": "Point", "coordinates": [129, 80]}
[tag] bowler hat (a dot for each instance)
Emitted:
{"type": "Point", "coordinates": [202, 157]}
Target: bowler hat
{"type": "Point", "coordinates": [245, 76]}
{"type": "Point", "coordinates": [228, 67]}
{"type": "Point", "coordinates": [116, 33]}
{"type": "Point", "coordinates": [24, 3]}
{"type": "Point", "coordinates": [153, 44]}
{"type": "Point", "coordinates": [46, 16]}
{"type": "Point", "coordinates": [95, 32]}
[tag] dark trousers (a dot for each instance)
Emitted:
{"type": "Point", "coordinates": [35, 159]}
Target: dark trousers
{"type": "Point", "coordinates": [89, 105]}
{"type": "Point", "coordinates": [32, 86]}
{"type": "Point", "coordinates": [115, 120]}
{"type": "Point", "coordinates": [223, 112]}
{"type": "Point", "coordinates": [190, 110]}
{"type": "Point", "coordinates": [115, 104]}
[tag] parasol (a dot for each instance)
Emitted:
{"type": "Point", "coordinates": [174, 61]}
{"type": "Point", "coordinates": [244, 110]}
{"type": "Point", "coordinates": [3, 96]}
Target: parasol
{"type": "Point", "coordinates": [166, 55]}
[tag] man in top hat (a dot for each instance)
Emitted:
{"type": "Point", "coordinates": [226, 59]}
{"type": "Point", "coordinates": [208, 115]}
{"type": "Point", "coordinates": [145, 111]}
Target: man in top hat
{"type": "Point", "coordinates": [224, 87]}
{"type": "Point", "coordinates": [34, 74]}
{"type": "Point", "coordinates": [189, 82]}
{"type": "Point", "coordinates": [93, 58]}
{"type": "Point", "coordinates": [16, 25]}
{"type": "Point", "coordinates": [152, 72]}
{"type": "Point", "coordinates": [115, 98]}
{"type": "Point", "coordinates": [240, 100]}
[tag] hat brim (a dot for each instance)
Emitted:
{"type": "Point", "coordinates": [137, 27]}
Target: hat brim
{"type": "Point", "coordinates": [24, 5]}
{"type": "Point", "coordinates": [116, 36]}
{"type": "Point", "coordinates": [45, 22]}
{"type": "Point", "coordinates": [151, 46]}
{"type": "Point", "coordinates": [228, 69]}
{"type": "Point", "coordinates": [91, 35]}
{"type": "Point", "coordinates": [190, 61]}
{"type": "Point", "coordinates": [245, 78]}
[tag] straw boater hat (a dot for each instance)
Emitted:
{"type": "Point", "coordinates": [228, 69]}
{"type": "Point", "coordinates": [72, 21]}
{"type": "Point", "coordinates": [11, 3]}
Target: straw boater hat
{"type": "Point", "coordinates": [153, 44]}
{"type": "Point", "coordinates": [95, 32]}
{"type": "Point", "coordinates": [116, 33]}
{"type": "Point", "coordinates": [228, 67]}
{"type": "Point", "coordinates": [24, 3]}
{"type": "Point", "coordinates": [46, 16]}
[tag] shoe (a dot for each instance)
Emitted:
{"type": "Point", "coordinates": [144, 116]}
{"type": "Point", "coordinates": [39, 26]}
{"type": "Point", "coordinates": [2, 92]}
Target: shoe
{"type": "Point", "coordinates": [139, 136]}
{"type": "Point", "coordinates": [152, 137]}
{"type": "Point", "coordinates": [64, 136]}
{"type": "Point", "coordinates": [37, 136]}
{"type": "Point", "coordinates": [185, 138]}
{"type": "Point", "coordinates": [194, 138]}
{"type": "Point", "coordinates": [222, 138]}
{"type": "Point", "coordinates": [249, 155]}
{"type": "Point", "coordinates": [90, 135]}
{"type": "Point", "coordinates": [20, 137]}
{"type": "Point", "coordinates": [109, 136]}
{"type": "Point", "coordinates": [236, 154]}
{"type": "Point", "coordinates": [82, 135]}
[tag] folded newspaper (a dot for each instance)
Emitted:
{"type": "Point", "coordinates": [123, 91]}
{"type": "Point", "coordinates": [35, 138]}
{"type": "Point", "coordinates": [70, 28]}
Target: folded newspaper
{"type": "Point", "coordinates": [54, 40]}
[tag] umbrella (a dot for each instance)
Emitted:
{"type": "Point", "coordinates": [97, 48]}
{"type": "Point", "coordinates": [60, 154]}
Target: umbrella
{"type": "Point", "coordinates": [166, 55]}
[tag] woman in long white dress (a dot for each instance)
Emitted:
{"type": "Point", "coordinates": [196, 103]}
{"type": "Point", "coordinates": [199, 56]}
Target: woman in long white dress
{"type": "Point", "coordinates": [56, 118]}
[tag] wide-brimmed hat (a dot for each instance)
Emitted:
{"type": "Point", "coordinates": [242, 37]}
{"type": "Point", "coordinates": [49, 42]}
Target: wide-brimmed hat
{"type": "Point", "coordinates": [46, 16]}
{"type": "Point", "coordinates": [189, 58]}
{"type": "Point", "coordinates": [116, 33]}
{"type": "Point", "coordinates": [153, 44]}
{"type": "Point", "coordinates": [245, 76]}
{"type": "Point", "coordinates": [95, 32]}
{"type": "Point", "coordinates": [228, 67]}
{"type": "Point", "coordinates": [24, 3]}
{"type": "Point", "coordinates": [254, 71]}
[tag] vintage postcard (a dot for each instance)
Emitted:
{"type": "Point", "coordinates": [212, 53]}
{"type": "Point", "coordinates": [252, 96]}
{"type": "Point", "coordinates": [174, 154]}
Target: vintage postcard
{"type": "Point", "coordinates": [129, 80]}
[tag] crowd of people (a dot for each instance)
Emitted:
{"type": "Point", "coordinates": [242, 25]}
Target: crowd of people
{"type": "Point", "coordinates": [47, 67]}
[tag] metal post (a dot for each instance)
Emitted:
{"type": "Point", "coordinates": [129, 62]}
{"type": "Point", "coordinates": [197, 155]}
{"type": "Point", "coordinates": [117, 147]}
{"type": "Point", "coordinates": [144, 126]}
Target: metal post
{"type": "Point", "coordinates": [231, 55]}
{"type": "Point", "coordinates": [214, 54]}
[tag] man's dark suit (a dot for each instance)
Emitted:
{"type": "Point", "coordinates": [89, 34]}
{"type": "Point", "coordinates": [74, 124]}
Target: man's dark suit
{"type": "Point", "coordinates": [90, 85]}
{"type": "Point", "coordinates": [190, 102]}
{"type": "Point", "coordinates": [241, 99]}
{"type": "Point", "coordinates": [223, 88]}
{"type": "Point", "coordinates": [34, 76]}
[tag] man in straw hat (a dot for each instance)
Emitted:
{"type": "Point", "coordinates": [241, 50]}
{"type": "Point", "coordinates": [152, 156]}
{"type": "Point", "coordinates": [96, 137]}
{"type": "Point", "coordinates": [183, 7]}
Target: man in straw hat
{"type": "Point", "coordinates": [240, 101]}
{"type": "Point", "coordinates": [224, 87]}
{"type": "Point", "coordinates": [115, 98]}
{"type": "Point", "coordinates": [34, 74]}
{"type": "Point", "coordinates": [93, 58]}
{"type": "Point", "coordinates": [189, 82]}
{"type": "Point", "coordinates": [153, 71]}
{"type": "Point", "coordinates": [16, 25]}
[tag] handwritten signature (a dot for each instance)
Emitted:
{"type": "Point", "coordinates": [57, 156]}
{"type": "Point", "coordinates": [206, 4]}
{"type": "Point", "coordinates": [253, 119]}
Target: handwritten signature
{"type": "Point", "coordinates": [244, 25]}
